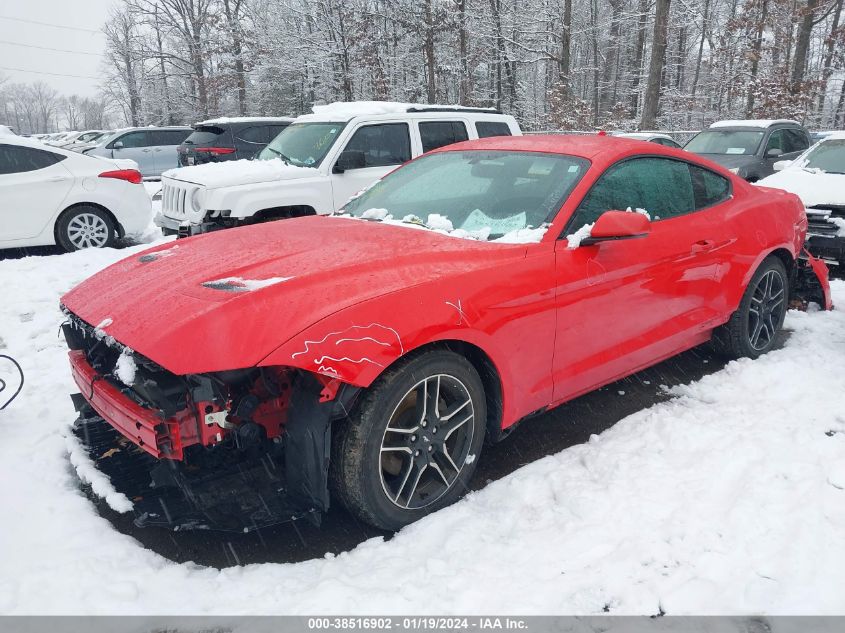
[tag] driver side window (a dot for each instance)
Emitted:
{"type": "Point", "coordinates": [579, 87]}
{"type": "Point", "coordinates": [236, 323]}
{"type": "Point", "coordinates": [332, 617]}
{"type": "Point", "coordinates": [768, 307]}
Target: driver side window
{"type": "Point", "coordinates": [776, 141]}
{"type": "Point", "coordinates": [661, 186]}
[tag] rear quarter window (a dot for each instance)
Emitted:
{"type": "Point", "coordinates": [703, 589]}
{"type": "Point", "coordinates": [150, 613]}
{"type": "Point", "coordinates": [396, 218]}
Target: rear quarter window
{"type": "Point", "coordinates": [256, 134]}
{"type": "Point", "coordinates": [709, 188]}
{"type": "Point", "coordinates": [206, 135]}
{"type": "Point", "coordinates": [486, 129]}
{"type": "Point", "coordinates": [436, 134]}
{"type": "Point", "coordinates": [15, 159]}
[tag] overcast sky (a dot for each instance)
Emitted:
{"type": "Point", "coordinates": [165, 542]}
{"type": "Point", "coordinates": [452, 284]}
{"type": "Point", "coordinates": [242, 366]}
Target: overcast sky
{"type": "Point", "coordinates": [86, 60]}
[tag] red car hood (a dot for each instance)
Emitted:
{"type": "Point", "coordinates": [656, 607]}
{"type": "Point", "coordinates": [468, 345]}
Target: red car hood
{"type": "Point", "coordinates": [225, 300]}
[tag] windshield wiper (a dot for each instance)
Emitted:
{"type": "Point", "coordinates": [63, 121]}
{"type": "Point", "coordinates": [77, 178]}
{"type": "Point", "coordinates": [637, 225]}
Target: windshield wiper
{"type": "Point", "coordinates": [284, 158]}
{"type": "Point", "coordinates": [416, 222]}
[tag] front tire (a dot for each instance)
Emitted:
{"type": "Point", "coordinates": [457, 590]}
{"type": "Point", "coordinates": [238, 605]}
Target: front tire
{"type": "Point", "coordinates": [752, 329]}
{"type": "Point", "coordinates": [85, 226]}
{"type": "Point", "coordinates": [412, 444]}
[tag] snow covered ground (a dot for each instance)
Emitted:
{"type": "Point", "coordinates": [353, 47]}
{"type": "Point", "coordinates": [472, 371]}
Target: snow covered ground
{"type": "Point", "coordinates": [727, 498]}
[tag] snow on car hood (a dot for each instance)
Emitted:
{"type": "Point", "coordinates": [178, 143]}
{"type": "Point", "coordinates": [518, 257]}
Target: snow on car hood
{"type": "Point", "coordinates": [240, 172]}
{"type": "Point", "coordinates": [227, 299]}
{"type": "Point", "coordinates": [812, 187]}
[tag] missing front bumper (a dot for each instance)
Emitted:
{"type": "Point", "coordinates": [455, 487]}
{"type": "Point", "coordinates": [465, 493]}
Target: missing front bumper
{"type": "Point", "coordinates": [238, 496]}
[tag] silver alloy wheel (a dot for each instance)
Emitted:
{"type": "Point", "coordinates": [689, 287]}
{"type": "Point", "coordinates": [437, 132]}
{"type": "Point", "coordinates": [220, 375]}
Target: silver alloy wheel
{"type": "Point", "coordinates": [426, 443]}
{"type": "Point", "coordinates": [766, 310]}
{"type": "Point", "coordinates": [87, 230]}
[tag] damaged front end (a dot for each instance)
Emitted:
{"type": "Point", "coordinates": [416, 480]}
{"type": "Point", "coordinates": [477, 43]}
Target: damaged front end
{"type": "Point", "coordinates": [809, 283]}
{"type": "Point", "coordinates": [235, 450]}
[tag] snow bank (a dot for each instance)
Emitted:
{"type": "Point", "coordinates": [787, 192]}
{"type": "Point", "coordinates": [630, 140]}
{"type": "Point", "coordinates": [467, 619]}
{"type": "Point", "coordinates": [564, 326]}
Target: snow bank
{"type": "Point", "coordinates": [240, 172]}
{"type": "Point", "coordinates": [728, 498]}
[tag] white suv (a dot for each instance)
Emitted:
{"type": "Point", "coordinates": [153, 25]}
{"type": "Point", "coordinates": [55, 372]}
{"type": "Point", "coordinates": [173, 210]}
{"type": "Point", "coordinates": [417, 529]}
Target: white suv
{"type": "Point", "coordinates": [317, 163]}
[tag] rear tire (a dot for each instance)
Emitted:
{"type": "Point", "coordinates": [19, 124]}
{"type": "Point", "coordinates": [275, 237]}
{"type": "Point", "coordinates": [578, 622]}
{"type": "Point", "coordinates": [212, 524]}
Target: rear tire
{"type": "Point", "coordinates": [412, 444]}
{"type": "Point", "coordinates": [752, 329]}
{"type": "Point", "coordinates": [85, 226]}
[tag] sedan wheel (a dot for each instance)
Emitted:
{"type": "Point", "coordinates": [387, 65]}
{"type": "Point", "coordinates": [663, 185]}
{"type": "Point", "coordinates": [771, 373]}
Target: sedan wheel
{"type": "Point", "coordinates": [411, 445]}
{"type": "Point", "coordinates": [426, 442]}
{"type": "Point", "coordinates": [85, 227]}
{"type": "Point", "coordinates": [767, 309]}
{"type": "Point", "coordinates": [752, 329]}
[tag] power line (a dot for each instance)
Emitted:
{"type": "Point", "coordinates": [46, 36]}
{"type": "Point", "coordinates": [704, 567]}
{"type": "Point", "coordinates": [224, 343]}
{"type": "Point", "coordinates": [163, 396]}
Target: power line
{"type": "Point", "coordinates": [47, 48]}
{"type": "Point", "coordinates": [57, 26]}
{"type": "Point", "coordinates": [40, 72]}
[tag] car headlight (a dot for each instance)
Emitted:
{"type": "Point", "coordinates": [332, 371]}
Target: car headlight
{"type": "Point", "coordinates": [196, 200]}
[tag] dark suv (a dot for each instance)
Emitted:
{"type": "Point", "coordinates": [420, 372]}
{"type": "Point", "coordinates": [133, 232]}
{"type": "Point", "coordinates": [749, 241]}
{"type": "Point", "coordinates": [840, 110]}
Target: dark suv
{"type": "Point", "coordinates": [229, 139]}
{"type": "Point", "coordinates": [750, 148]}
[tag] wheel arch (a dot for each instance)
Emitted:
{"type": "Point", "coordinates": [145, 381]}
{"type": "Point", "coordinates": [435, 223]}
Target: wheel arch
{"type": "Point", "coordinates": [785, 256]}
{"type": "Point", "coordinates": [118, 228]}
{"type": "Point", "coordinates": [487, 370]}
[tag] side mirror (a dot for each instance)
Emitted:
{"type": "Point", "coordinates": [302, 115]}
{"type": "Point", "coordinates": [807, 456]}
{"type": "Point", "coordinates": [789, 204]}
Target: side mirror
{"type": "Point", "coordinates": [774, 152]}
{"type": "Point", "coordinates": [781, 165]}
{"type": "Point", "coordinates": [117, 145]}
{"type": "Point", "coordinates": [349, 159]}
{"type": "Point", "coordinates": [618, 225]}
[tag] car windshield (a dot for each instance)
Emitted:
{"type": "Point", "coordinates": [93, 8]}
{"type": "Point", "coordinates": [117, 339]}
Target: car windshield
{"type": "Point", "coordinates": [739, 142]}
{"type": "Point", "coordinates": [485, 195]}
{"type": "Point", "coordinates": [109, 136]}
{"type": "Point", "coordinates": [303, 144]}
{"type": "Point", "coordinates": [828, 156]}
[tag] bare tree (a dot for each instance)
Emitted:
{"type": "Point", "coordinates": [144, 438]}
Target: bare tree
{"type": "Point", "coordinates": [651, 102]}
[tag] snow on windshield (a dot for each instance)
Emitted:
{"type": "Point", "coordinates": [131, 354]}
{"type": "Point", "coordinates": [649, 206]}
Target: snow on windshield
{"type": "Point", "coordinates": [442, 224]}
{"type": "Point", "coordinates": [481, 195]}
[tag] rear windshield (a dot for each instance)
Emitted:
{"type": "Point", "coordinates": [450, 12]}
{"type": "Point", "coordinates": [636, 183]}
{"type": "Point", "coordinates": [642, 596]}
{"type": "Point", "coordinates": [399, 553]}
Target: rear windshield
{"type": "Point", "coordinates": [205, 134]}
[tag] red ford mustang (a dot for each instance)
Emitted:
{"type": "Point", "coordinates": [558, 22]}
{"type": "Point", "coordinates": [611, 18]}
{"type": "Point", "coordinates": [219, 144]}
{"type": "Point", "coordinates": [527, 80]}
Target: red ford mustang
{"type": "Point", "coordinates": [368, 356]}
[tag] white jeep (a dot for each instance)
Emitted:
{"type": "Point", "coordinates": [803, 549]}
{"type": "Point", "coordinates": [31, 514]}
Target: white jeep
{"type": "Point", "coordinates": [317, 163]}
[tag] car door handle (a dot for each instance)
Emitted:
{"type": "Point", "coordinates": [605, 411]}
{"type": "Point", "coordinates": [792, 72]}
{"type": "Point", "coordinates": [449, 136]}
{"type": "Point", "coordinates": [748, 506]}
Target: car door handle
{"type": "Point", "coordinates": [57, 179]}
{"type": "Point", "coordinates": [702, 246]}
{"type": "Point", "coordinates": [146, 150]}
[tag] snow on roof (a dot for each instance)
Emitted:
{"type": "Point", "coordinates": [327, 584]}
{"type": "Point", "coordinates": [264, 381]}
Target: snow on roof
{"type": "Point", "coordinates": [5, 130]}
{"type": "Point", "coordinates": [763, 123]}
{"type": "Point", "coordinates": [223, 120]}
{"type": "Point", "coordinates": [346, 110]}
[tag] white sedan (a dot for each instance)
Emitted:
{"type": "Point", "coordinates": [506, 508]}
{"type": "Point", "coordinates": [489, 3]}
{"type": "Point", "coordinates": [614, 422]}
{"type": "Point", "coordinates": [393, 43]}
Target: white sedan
{"type": "Point", "coordinates": [54, 196]}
